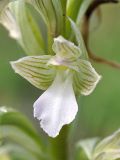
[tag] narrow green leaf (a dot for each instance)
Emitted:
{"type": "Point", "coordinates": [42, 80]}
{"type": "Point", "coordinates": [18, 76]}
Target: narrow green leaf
{"type": "Point", "coordinates": [14, 151]}
{"type": "Point", "coordinates": [16, 135]}
{"type": "Point", "coordinates": [14, 118]}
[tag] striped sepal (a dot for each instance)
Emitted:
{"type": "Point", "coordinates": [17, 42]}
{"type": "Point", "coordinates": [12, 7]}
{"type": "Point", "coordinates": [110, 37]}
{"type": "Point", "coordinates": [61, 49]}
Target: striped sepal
{"type": "Point", "coordinates": [35, 70]}
{"type": "Point", "coordinates": [65, 49]}
{"type": "Point", "coordinates": [86, 79]}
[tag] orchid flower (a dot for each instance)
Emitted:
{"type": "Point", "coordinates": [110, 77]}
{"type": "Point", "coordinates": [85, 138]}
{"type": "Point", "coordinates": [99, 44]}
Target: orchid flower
{"type": "Point", "coordinates": [63, 76]}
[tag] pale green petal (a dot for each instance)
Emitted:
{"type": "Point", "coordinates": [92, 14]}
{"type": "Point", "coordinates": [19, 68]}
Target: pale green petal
{"type": "Point", "coordinates": [86, 79]}
{"type": "Point", "coordinates": [35, 70]}
{"type": "Point", "coordinates": [65, 49]}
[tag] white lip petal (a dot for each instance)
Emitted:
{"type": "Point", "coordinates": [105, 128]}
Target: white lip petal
{"type": "Point", "coordinates": [57, 106]}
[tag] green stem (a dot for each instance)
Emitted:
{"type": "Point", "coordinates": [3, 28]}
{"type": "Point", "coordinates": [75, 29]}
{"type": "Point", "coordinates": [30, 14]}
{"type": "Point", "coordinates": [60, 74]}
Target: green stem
{"type": "Point", "coordinates": [64, 5]}
{"type": "Point", "coordinates": [58, 147]}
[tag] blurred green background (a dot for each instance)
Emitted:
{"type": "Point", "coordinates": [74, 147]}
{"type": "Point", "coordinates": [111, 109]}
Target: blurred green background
{"type": "Point", "coordinates": [99, 113]}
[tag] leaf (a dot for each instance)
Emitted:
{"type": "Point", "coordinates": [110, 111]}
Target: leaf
{"type": "Point", "coordinates": [12, 117]}
{"type": "Point", "coordinates": [35, 69]}
{"type": "Point", "coordinates": [14, 151]}
{"type": "Point", "coordinates": [16, 135]}
{"type": "Point", "coordinates": [16, 127]}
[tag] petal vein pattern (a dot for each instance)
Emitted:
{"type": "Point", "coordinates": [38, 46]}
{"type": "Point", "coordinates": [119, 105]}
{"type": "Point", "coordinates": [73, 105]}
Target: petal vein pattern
{"type": "Point", "coordinates": [35, 70]}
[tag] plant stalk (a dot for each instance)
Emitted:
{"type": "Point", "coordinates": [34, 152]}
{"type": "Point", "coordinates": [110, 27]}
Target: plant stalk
{"type": "Point", "coordinates": [58, 147]}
